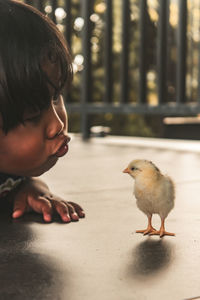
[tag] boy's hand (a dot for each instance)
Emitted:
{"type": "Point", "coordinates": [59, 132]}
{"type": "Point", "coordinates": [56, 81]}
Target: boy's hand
{"type": "Point", "coordinates": [35, 195]}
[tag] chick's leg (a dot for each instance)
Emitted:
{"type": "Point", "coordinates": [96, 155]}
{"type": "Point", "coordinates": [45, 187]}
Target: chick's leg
{"type": "Point", "coordinates": [162, 231]}
{"type": "Point", "coordinates": [149, 228]}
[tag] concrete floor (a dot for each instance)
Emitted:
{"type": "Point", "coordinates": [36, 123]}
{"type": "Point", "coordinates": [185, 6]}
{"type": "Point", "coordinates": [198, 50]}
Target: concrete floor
{"type": "Point", "coordinates": [101, 257]}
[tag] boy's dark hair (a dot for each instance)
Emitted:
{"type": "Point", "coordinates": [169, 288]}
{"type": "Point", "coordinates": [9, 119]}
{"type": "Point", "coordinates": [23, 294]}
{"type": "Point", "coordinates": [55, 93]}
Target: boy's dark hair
{"type": "Point", "coordinates": [27, 37]}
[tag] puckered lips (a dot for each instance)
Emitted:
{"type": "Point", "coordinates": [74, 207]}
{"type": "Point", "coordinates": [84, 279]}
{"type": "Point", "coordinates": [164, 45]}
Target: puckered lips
{"type": "Point", "coordinates": [63, 149]}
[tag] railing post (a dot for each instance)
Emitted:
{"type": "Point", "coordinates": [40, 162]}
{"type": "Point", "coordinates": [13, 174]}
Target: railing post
{"type": "Point", "coordinates": [162, 50]}
{"type": "Point", "coordinates": [108, 52]}
{"type": "Point", "coordinates": [125, 51]}
{"type": "Point", "coordinates": [41, 5]}
{"type": "Point", "coordinates": [198, 95]}
{"type": "Point", "coordinates": [68, 22]}
{"type": "Point", "coordinates": [54, 6]}
{"type": "Point", "coordinates": [142, 52]}
{"type": "Point", "coordinates": [181, 54]}
{"type": "Point", "coordinates": [86, 73]}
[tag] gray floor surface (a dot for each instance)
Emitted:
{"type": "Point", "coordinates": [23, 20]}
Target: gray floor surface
{"type": "Point", "coordinates": [101, 257]}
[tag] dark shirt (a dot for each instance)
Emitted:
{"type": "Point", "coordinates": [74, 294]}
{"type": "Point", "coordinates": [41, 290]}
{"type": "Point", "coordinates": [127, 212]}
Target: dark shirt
{"type": "Point", "coordinates": [8, 183]}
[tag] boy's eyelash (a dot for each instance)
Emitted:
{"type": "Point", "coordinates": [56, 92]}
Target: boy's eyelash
{"type": "Point", "coordinates": [33, 118]}
{"type": "Point", "coordinates": [56, 99]}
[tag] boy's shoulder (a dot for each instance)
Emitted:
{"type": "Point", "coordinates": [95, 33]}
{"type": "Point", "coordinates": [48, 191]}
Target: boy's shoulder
{"type": "Point", "coordinates": [9, 182]}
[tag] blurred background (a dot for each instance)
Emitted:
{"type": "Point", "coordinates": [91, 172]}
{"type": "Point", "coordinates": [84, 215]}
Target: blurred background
{"type": "Point", "coordinates": [136, 65]}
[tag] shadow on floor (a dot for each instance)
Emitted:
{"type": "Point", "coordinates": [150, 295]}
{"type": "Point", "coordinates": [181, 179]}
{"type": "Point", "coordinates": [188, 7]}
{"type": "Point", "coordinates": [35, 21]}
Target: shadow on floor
{"type": "Point", "coordinates": [30, 275]}
{"type": "Point", "coordinates": [150, 257]}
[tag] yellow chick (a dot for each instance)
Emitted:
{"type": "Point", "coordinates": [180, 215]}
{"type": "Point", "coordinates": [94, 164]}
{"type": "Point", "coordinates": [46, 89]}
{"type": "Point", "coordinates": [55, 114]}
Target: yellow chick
{"type": "Point", "coordinates": [154, 193]}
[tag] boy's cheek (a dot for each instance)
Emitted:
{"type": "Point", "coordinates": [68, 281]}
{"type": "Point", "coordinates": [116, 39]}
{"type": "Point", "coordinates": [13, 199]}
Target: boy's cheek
{"type": "Point", "coordinates": [21, 146]}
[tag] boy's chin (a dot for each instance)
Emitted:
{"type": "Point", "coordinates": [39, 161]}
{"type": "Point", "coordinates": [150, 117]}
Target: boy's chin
{"type": "Point", "coordinates": [42, 169]}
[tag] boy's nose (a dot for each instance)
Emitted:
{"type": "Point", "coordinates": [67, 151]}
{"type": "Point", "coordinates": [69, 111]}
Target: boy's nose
{"type": "Point", "coordinates": [55, 125]}
{"type": "Point", "coordinates": [61, 130]}
{"type": "Point", "coordinates": [54, 129]}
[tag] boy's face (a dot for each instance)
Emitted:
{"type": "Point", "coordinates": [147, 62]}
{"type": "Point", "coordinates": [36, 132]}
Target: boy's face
{"type": "Point", "coordinates": [33, 148]}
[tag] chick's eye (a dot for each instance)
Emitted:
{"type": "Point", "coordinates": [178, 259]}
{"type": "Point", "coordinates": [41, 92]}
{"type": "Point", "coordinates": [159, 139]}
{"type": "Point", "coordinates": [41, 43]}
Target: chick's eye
{"type": "Point", "coordinates": [133, 169]}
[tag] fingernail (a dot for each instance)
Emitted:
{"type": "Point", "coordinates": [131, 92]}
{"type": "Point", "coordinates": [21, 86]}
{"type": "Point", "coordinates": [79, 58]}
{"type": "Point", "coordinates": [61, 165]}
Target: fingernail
{"type": "Point", "coordinates": [75, 217]}
{"type": "Point", "coordinates": [47, 218]}
{"type": "Point", "coordinates": [82, 214]}
{"type": "Point", "coordinates": [16, 213]}
{"type": "Point", "coordinates": [66, 218]}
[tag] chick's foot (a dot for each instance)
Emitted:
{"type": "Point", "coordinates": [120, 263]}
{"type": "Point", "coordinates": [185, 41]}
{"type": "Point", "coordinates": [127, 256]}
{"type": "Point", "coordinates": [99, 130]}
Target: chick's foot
{"type": "Point", "coordinates": [146, 231]}
{"type": "Point", "coordinates": [162, 233]}
{"type": "Point", "coordinates": [149, 229]}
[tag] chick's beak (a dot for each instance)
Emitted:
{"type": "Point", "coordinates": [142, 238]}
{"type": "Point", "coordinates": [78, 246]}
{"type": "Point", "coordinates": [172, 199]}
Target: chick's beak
{"type": "Point", "coordinates": [126, 171]}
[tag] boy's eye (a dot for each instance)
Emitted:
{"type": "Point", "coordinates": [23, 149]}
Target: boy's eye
{"type": "Point", "coordinates": [56, 100]}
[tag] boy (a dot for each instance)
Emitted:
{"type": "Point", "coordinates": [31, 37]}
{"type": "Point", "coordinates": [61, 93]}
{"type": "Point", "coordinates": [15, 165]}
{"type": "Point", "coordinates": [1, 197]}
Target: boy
{"type": "Point", "coordinates": [34, 67]}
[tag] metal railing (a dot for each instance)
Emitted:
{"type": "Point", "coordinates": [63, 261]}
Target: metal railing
{"type": "Point", "coordinates": [165, 104]}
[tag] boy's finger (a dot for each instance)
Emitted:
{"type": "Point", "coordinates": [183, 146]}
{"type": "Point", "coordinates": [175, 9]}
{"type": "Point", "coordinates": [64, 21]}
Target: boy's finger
{"type": "Point", "coordinates": [46, 209]}
{"type": "Point", "coordinates": [63, 211]}
{"type": "Point", "coordinates": [17, 213]}
{"type": "Point", "coordinates": [19, 207]}
{"type": "Point", "coordinates": [41, 205]}
{"type": "Point", "coordinates": [72, 212]}
{"type": "Point", "coordinates": [78, 209]}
